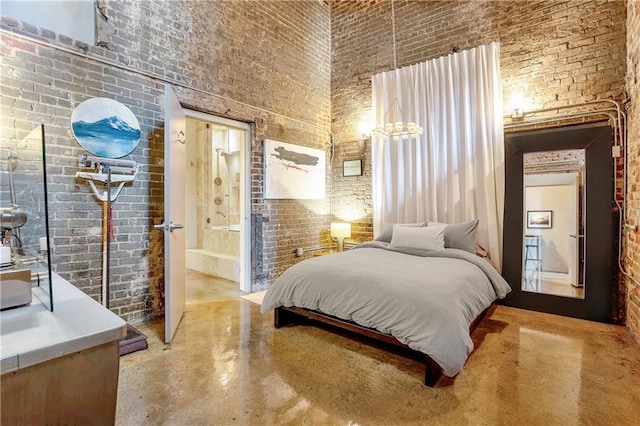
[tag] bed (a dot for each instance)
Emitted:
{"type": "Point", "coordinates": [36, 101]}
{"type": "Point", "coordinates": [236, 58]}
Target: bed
{"type": "Point", "coordinates": [404, 292]}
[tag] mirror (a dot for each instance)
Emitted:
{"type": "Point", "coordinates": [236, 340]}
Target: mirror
{"type": "Point", "coordinates": [554, 223]}
{"type": "Point", "coordinates": [585, 150]}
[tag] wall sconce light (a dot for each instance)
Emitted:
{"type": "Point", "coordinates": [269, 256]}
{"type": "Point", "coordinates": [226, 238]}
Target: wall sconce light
{"type": "Point", "coordinates": [340, 231]}
{"type": "Point", "coordinates": [365, 133]}
{"type": "Point", "coordinates": [365, 129]}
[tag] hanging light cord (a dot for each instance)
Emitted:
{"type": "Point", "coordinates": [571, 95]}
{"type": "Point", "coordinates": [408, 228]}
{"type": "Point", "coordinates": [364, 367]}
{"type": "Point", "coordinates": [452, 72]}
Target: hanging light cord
{"type": "Point", "coordinates": [398, 129]}
{"type": "Point", "coordinates": [395, 62]}
{"type": "Point", "coordinates": [393, 29]}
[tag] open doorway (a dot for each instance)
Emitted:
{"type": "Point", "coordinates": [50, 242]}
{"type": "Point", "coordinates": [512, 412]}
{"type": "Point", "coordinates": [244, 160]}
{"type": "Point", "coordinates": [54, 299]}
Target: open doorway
{"type": "Point", "coordinates": [217, 224]}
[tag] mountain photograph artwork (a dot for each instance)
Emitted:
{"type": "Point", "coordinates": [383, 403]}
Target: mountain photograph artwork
{"type": "Point", "coordinates": [105, 128]}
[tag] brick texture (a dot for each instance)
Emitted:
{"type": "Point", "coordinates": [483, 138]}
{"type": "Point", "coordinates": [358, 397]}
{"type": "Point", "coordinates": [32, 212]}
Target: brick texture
{"type": "Point", "coordinates": [553, 54]}
{"type": "Point", "coordinates": [632, 240]}
{"type": "Point", "coordinates": [298, 62]}
{"type": "Point", "coordinates": [261, 62]}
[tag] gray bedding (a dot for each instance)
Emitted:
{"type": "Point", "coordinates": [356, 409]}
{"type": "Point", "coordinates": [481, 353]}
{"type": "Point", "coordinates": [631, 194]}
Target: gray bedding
{"type": "Point", "coordinates": [426, 300]}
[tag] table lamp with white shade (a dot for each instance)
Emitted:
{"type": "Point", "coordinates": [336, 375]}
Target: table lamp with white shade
{"type": "Point", "coordinates": [340, 231]}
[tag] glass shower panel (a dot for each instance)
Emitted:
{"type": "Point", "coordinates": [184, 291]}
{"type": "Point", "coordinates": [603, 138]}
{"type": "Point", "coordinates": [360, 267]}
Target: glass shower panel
{"type": "Point", "coordinates": [224, 176]}
{"type": "Point", "coordinates": [24, 230]}
{"type": "Point", "coordinates": [218, 178]}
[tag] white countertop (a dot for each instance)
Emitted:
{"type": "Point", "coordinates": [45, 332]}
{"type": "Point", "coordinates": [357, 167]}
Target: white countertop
{"type": "Point", "coordinates": [32, 334]}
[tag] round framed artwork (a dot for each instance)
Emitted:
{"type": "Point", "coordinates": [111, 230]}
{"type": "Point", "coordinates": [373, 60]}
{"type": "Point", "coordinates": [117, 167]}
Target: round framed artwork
{"type": "Point", "coordinates": [105, 127]}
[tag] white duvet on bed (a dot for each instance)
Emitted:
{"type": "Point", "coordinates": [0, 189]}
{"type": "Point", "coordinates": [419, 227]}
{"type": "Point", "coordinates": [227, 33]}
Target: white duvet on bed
{"type": "Point", "coordinates": [426, 300]}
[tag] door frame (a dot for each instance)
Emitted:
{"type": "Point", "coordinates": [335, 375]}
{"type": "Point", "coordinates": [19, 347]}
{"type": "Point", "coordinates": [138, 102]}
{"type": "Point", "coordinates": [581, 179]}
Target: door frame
{"type": "Point", "coordinates": [599, 272]}
{"type": "Point", "coordinates": [245, 190]}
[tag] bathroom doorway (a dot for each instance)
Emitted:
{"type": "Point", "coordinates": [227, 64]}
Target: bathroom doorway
{"type": "Point", "coordinates": [218, 249]}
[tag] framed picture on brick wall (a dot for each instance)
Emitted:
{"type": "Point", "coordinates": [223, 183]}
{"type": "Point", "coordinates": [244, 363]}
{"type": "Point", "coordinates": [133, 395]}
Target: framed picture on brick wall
{"type": "Point", "coordinates": [352, 168]}
{"type": "Point", "coordinates": [293, 171]}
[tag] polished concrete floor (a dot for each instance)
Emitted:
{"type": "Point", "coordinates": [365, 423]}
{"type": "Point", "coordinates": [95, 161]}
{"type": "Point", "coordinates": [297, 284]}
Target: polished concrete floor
{"type": "Point", "coordinates": [202, 288]}
{"type": "Point", "coordinates": [228, 365]}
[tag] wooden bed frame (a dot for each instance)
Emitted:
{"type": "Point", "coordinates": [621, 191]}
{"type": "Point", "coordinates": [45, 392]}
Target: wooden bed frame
{"type": "Point", "coordinates": [285, 316]}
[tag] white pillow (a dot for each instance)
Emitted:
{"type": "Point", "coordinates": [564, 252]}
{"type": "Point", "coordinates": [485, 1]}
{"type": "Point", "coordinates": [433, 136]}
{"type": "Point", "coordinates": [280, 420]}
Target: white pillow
{"type": "Point", "coordinates": [387, 230]}
{"type": "Point", "coordinates": [425, 238]}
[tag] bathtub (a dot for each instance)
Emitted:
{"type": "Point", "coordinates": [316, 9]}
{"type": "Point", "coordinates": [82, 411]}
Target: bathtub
{"type": "Point", "coordinates": [212, 263]}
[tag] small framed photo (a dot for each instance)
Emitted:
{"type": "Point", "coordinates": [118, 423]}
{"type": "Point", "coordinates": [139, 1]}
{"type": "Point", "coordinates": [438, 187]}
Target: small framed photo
{"type": "Point", "coordinates": [352, 168]}
{"type": "Point", "coordinates": [539, 219]}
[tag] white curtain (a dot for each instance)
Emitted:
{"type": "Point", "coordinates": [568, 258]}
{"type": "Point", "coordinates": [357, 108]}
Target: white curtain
{"type": "Point", "coordinates": [454, 172]}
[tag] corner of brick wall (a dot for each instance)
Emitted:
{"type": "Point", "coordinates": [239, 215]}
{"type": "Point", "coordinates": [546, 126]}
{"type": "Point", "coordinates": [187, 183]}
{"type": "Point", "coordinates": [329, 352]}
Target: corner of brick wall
{"type": "Point", "coordinates": [632, 240]}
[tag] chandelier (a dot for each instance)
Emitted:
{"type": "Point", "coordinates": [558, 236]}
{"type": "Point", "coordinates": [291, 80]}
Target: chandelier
{"type": "Point", "coordinates": [399, 129]}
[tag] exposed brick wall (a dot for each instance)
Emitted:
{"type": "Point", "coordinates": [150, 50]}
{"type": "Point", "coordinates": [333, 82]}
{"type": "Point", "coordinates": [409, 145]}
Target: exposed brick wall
{"type": "Point", "coordinates": [553, 53]}
{"type": "Point", "coordinates": [294, 59]}
{"type": "Point", "coordinates": [227, 58]}
{"type": "Point", "coordinates": [43, 85]}
{"type": "Point", "coordinates": [352, 195]}
{"type": "Point", "coordinates": [632, 240]}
